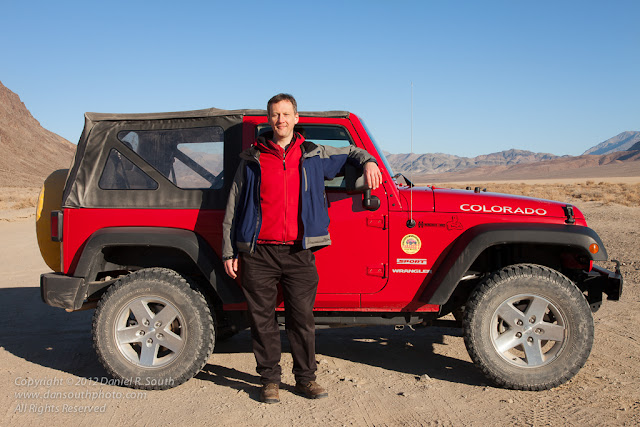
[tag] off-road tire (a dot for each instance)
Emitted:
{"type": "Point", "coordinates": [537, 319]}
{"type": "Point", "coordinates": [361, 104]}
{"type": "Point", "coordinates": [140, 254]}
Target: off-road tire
{"type": "Point", "coordinates": [130, 328]}
{"type": "Point", "coordinates": [509, 315]}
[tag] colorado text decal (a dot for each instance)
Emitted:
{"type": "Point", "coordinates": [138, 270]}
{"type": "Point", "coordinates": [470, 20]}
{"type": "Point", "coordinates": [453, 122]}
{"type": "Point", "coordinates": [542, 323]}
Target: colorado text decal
{"type": "Point", "coordinates": [466, 207]}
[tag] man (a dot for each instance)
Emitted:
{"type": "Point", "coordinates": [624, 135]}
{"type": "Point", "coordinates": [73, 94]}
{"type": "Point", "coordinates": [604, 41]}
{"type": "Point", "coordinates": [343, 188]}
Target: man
{"type": "Point", "coordinates": [275, 215]}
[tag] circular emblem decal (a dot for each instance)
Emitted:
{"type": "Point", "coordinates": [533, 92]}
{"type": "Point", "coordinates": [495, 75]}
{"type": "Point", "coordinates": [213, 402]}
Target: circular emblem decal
{"type": "Point", "coordinates": [411, 244]}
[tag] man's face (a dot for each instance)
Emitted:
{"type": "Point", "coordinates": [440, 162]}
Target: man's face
{"type": "Point", "coordinates": [282, 119]}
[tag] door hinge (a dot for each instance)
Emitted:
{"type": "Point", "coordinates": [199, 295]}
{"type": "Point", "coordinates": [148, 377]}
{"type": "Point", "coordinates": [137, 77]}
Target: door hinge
{"type": "Point", "coordinates": [377, 222]}
{"type": "Point", "coordinates": [379, 270]}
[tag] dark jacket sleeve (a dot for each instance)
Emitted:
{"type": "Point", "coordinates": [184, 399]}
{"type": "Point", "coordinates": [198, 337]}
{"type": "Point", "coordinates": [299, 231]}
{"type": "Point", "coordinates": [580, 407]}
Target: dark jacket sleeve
{"type": "Point", "coordinates": [334, 158]}
{"type": "Point", "coordinates": [228, 224]}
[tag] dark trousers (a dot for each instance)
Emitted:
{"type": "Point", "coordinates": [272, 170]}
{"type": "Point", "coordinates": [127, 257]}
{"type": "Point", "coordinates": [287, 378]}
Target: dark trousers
{"type": "Point", "coordinates": [295, 269]}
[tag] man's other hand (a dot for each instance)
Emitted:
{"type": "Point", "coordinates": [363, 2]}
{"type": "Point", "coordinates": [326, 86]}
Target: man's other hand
{"type": "Point", "coordinates": [372, 175]}
{"type": "Point", "coordinates": [231, 267]}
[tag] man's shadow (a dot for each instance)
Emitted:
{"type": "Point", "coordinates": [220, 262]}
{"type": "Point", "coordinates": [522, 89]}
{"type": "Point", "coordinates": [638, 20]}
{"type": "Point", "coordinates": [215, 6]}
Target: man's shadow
{"type": "Point", "coordinates": [407, 351]}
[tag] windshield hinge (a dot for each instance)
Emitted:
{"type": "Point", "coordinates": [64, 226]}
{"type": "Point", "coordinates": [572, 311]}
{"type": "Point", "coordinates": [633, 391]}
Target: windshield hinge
{"type": "Point", "coordinates": [568, 211]}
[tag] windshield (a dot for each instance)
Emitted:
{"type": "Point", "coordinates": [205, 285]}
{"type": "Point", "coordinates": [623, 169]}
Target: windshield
{"type": "Point", "coordinates": [375, 144]}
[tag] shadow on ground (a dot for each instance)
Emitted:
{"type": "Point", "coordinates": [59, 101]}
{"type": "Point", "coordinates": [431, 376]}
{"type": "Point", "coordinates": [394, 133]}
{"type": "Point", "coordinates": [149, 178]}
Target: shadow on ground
{"type": "Point", "coordinates": [407, 351]}
{"type": "Point", "coordinates": [45, 335]}
{"type": "Point", "coordinates": [62, 341]}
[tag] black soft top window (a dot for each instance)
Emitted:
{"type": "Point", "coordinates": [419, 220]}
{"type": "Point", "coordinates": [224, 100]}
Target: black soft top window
{"type": "Point", "coordinates": [155, 161]}
{"type": "Point", "coordinates": [190, 158]}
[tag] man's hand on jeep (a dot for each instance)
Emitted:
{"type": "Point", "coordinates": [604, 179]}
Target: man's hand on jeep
{"type": "Point", "coordinates": [231, 267]}
{"type": "Point", "coordinates": [372, 175]}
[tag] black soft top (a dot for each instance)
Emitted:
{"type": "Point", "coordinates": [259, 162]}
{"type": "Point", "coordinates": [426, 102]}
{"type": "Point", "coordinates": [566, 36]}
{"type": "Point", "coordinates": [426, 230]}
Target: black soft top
{"type": "Point", "coordinates": [208, 112]}
{"type": "Point", "coordinates": [100, 137]}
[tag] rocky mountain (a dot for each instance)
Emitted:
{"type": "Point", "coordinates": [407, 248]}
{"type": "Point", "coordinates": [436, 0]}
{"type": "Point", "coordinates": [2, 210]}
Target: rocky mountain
{"type": "Point", "coordinates": [440, 163]}
{"type": "Point", "coordinates": [29, 151]}
{"type": "Point", "coordinates": [621, 142]}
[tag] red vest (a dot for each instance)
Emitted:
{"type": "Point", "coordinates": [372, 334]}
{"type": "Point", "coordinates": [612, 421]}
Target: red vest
{"type": "Point", "coordinates": [280, 191]}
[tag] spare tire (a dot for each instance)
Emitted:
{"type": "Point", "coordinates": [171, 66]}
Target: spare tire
{"type": "Point", "coordinates": [50, 200]}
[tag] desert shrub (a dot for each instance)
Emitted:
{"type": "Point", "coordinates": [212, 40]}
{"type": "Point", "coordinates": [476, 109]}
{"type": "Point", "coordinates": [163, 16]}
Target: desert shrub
{"type": "Point", "coordinates": [18, 198]}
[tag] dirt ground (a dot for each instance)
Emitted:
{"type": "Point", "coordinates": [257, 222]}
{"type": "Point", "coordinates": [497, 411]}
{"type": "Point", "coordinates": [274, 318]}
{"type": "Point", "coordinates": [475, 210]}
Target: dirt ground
{"type": "Point", "coordinates": [375, 376]}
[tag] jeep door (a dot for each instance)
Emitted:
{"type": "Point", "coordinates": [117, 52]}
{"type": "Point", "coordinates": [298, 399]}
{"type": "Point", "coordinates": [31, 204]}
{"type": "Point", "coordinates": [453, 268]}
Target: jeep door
{"type": "Point", "coordinates": [357, 259]}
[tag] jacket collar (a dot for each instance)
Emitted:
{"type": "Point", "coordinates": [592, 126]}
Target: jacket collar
{"type": "Point", "coordinates": [309, 149]}
{"type": "Point", "coordinates": [265, 143]}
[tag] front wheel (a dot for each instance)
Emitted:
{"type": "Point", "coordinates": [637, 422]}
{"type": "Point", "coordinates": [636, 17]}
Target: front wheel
{"type": "Point", "coordinates": [153, 330]}
{"type": "Point", "coordinates": [528, 327]}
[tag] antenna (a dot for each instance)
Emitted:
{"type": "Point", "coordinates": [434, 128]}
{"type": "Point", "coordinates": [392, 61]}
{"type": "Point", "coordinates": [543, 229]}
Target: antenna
{"type": "Point", "coordinates": [411, 222]}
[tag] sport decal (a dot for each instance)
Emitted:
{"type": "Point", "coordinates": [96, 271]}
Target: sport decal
{"type": "Point", "coordinates": [410, 244]}
{"type": "Point", "coordinates": [412, 261]}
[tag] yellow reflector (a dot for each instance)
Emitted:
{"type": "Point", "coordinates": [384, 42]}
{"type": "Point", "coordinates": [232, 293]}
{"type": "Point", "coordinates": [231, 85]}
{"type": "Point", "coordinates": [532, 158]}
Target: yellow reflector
{"type": "Point", "coordinates": [594, 248]}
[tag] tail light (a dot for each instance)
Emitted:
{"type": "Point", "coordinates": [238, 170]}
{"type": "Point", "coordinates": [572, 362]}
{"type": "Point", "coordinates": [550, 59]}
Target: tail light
{"type": "Point", "coordinates": [56, 226]}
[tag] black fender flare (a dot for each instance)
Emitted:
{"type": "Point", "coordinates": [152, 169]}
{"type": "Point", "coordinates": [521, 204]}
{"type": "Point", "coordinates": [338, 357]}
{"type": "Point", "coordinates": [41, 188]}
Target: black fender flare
{"type": "Point", "coordinates": [187, 241]}
{"type": "Point", "coordinates": [470, 244]}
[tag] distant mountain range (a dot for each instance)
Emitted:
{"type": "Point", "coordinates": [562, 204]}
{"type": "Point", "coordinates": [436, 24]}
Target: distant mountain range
{"type": "Point", "coordinates": [441, 163]}
{"type": "Point", "coordinates": [438, 163]}
{"type": "Point", "coordinates": [587, 166]}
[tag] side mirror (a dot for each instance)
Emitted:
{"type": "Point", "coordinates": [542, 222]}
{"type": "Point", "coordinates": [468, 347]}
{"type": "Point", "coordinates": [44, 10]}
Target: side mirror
{"type": "Point", "coordinates": [355, 183]}
{"type": "Point", "coordinates": [369, 202]}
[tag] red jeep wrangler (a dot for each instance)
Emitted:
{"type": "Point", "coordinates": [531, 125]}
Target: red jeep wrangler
{"type": "Point", "coordinates": [137, 233]}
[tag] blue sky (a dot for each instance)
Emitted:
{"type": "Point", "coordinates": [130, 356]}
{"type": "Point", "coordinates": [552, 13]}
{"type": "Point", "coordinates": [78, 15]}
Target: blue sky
{"type": "Point", "coordinates": [546, 76]}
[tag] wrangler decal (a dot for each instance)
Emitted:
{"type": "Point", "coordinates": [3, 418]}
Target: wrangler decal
{"type": "Point", "coordinates": [411, 270]}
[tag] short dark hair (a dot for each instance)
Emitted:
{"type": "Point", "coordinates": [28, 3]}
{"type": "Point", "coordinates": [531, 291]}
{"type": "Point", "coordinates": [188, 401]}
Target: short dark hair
{"type": "Point", "coordinates": [282, 97]}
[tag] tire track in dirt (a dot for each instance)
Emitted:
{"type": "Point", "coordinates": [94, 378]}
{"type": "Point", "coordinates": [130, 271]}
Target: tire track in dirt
{"type": "Point", "coordinates": [630, 336]}
{"type": "Point", "coordinates": [382, 404]}
{"type": "Point", "coordinates": [383, 396]}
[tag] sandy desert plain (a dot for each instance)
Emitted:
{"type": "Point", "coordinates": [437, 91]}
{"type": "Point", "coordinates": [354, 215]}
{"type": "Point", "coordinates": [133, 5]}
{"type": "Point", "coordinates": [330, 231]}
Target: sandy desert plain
{"type": "Point", "coordinates": [375, 376]}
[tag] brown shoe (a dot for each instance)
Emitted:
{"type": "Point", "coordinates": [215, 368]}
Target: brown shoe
{"type": "Point", "coordinates": [311, 390]}
{"type": "Point", "coordinates": [269, 393]}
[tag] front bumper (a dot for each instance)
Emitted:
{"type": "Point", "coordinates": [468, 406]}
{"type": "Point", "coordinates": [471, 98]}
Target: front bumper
{"type": "Point", "coordinates": [62, 291]}
{"type": "Point", "coordinates": [600, 280]}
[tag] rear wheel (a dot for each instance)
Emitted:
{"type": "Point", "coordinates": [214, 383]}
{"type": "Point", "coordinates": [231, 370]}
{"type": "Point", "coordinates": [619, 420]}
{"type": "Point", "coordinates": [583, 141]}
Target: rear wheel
{"type": "Point", "coordinates": [153, 330]}
{"type": "Point", "coordinates": [528, 327]}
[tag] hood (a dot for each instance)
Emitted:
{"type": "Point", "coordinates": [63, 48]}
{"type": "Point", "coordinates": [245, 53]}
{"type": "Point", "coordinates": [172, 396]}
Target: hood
{"type": "Point", "coordinates": [467, 201]}
{"type": "Point", "coordinates": [421, 198]}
